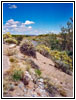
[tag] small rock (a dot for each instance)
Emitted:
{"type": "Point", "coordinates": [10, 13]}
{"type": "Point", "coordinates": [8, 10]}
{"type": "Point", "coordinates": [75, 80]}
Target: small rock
{"type": "Point", "coordinates": [41, 86]}
{"type": "Point", "coordinates": [33, 95]}
{"type": "Point", "coordinates": [20, 85]}
{"type": "Point", "coordinates": [26, 80]}
{"type": "Point", "coordinates": [27, 74]}
{"type": "Point", "coordinates": [24, 95]}
{"type": "Point", "coordinates": [11, 87]}
{"type": "Point", "coordinates": [41, 80]}
{"type": "Point", "coordinates": [40, 92]}
{"type": "Point", "coordinates": [24, 90]}
{"type": "Point", "coordinates": [12, 45]}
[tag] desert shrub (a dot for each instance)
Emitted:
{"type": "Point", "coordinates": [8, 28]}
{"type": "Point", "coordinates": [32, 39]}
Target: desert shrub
{"type": "Point", "coordinates": [13, 59]}
{"type": "Point", "coordinates": [16, 72]}
{"type": "Point", "coordinates": [32, 63]}
{"type": "Point", "coordinates": [11, 40]}
{"type": "Point", "coordinates": [28, 68]}
{"type": "Point", "coordinates": [64, 67]}
{"type": "Point", "coordinates": [70, 53]}
{"type": "Point", "coordinates": [5, 85]}
{"type": "Point", "coordinates": [11, 52]}
{"type": "Point", "coordinates": [27, 48]}
{"type": "Point", "coordinates": [63, 92]}
{"type": "Point", "coordinates": [38, 72]}
{"type": "Point", "coordinates": [50, 87]}
{"type": "Point", "coordinates": [7, 35]}
{"type": "Point", "coordinates": [18, 38]}
{"type": "Point", "coordinates": [44, 50]}
{"type": "Point", "coordinates": [17, 75]}
{"type": "Point", "coordinates": [62, 57]}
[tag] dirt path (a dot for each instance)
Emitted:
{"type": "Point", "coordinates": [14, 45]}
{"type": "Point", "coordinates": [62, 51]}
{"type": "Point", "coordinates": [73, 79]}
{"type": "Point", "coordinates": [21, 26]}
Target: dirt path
{"type": "Point", "coordinates": [57, 77]}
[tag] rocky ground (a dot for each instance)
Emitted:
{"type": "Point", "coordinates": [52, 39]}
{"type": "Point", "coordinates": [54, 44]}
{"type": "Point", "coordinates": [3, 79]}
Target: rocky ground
{"type": "Point", "coordinates": [61, 83]}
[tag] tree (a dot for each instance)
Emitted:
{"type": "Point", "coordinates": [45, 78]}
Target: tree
{"type": "Point", "coordinates": [67, 36]}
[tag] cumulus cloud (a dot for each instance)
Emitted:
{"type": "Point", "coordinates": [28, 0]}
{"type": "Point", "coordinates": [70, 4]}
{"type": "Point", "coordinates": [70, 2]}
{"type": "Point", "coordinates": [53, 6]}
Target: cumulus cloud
{"type": "Point", "coordinates": [12, 6]}
{"type": "Point", "coordinates": [29, 27]}
{"type": "Point", "coordinates": [15, 27]}
{"type": "Point", "coordinates": [27, 22]}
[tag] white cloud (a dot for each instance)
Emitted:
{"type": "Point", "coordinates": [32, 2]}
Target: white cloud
{"type": "Point", "coordinates": [29, 27]}
{"type": "Point", "coordinates": [12, 6]}
{"type": "Point", "coordinates": [27, 22]}
{"type": "Point", "coordinates": [13, 25]}
{"type": "Point", "coordinates": [16, 27]}
{"type": "Point", "coordinates": [11, 21]}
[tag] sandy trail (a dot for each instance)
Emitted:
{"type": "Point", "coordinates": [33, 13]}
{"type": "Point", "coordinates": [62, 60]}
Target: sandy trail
{"type": "Point", "coordinates": [57, 77]}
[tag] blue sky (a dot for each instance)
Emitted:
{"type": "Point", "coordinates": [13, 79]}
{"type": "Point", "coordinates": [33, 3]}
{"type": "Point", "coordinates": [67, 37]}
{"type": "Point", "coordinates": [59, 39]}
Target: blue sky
{"type": "Point", "coordinates": [35, 18]}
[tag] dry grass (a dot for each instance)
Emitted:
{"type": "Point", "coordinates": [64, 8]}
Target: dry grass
{"type": "Point", "coordinates": [11, 52]}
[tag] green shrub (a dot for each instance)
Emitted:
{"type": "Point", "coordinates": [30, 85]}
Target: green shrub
{"type": "Point", "coordinates": [16, 72]}
{"type": "Point", "coordinates": [11, 40]}
{"type": "Point", "coordinates": [27, 48]}
{"type": "Point", "coordinates": [44, 50]}
{"type": "Point", "coordinates": [17, 75]}
{"type": "Point", "coordinates": [70, 53]}
{"type": "Point", "coordinates": [38, 72]}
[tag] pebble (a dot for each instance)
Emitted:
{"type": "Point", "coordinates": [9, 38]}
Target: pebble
{"type": "Point", "coordinates": [24, 90]}
{"type": "Point", "coordinates": [25, 95]}
{"type": "Point", "coordinates": [41, 80]}
{"type": "Point", "coordinates": [21, 85]}
{"type": "Point", "coordinates": [18, 94]}
{"type": "Point", "coordinates": [27, 74]}
{"type": "Point", "coordinates": [11, 87]}
{"type": "Point", "coordinates": [41, 86]}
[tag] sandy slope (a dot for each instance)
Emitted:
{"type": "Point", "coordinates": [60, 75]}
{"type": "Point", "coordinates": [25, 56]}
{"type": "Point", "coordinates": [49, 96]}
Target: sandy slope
{"type": "Point", "coordinates": [57, 77]}
{"type": "Point", "coordinates": [5, 59]}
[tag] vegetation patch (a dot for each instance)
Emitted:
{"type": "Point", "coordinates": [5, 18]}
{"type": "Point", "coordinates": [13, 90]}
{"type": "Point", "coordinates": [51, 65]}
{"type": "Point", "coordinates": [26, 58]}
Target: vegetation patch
{"type": "Point", "coordinates": [50, 87]}
{"type": "Point", "coordinates": [7, 35]}
{"type": "Point", "coordinates": [13, 59]}
{"type": "Point", "coordinates": [44, 50]}
{"type": "Point", "coordinates": [11, 52]}
{"type": "Point", "coordinates": [62, 56]}
{"type": "Point", "coordinates": [27, 48]}
{"type": "Point", "coordinates": [38, 72]}
{"type": "Point", "coordinates": [16, 72]}
{"type": "Point", "coordinates": [10, 40]}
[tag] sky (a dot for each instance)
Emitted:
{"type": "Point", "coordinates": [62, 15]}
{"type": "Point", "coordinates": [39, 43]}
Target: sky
{"type": "Point", "coordinates": [35, 18]}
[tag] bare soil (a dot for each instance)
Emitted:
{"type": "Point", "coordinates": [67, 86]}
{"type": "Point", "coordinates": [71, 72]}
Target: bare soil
{"type": "Point", "coordinates": [58, 78]}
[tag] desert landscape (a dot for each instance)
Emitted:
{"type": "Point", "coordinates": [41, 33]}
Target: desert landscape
{"type": "Point", "coordinates": [38, 65]}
